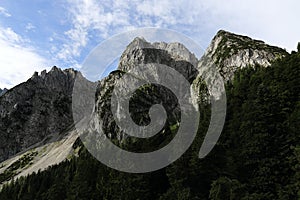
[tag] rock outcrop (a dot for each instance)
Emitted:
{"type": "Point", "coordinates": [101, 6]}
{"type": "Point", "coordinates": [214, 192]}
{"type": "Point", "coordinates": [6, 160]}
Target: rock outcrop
{"type": "Point", "coordinates": [36, 110]}
{"type": "Point", "coordinates": [230, 52]}
{"type": "Point", "coordinates": [174, 55]}
{"type": "Point", "coordinates": [140, 52]}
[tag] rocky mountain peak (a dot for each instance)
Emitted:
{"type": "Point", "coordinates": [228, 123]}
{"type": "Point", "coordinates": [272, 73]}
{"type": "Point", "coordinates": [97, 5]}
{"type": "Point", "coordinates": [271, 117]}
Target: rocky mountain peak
{"type": "Point", "coordinates": [55, 71]}
{"type": "Point", "coordinates": [142, 51]}
{"type": "Point", "coordinates": [36, 109]}
{"type": "Point", "coordinates": [139, 42]}
{"type": "Point", "coordinates": [230, 52]}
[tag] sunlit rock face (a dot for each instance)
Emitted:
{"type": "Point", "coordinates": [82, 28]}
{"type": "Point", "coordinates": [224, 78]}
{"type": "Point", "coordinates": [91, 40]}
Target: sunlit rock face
{"type": "Point", "coordinates": [231, 52]}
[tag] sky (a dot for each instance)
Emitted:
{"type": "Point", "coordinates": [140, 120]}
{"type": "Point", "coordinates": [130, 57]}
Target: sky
{"type": "Point", "coordinates": [38, 34]}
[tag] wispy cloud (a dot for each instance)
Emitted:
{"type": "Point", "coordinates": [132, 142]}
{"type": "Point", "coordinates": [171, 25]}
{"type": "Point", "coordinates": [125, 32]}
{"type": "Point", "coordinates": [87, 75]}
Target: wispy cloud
{"type": "Point", "coordinates": [66, 31]}
{"type": "Point", "coordinates": [4, 12]}
{"type": "Point", "coordinates": [9, 36]}
{"type": "Point", "coordinates": [94, 21]}
{"type": "Point", "coordinates": [98, 18]}
{"type": "Point", "coordinates": [273, 21]}
{"type": "Point", "coordinates": [29, 27]}
{"type": "Point", "coordinates": [105, 18]}
{"type": "Point", "coordinates": [18, 59]}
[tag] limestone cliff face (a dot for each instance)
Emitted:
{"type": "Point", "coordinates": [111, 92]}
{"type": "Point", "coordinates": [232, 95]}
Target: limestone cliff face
{"type": "Point", "coordinates": [35, 110]}
{"type": "Point", "coordinates": [174, 55]}
{"type": "Point", "coordinates": [231, 52]}
{"type": "Point", "coordinates": [139, 51]}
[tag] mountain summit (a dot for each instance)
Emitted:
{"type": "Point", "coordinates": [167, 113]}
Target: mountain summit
{"type": "Point", "coordinates": [230, 52]}
{"type": "Point", "coordinates": [134, 53]}
{"type": "Point", "coordinates": [35, 110]}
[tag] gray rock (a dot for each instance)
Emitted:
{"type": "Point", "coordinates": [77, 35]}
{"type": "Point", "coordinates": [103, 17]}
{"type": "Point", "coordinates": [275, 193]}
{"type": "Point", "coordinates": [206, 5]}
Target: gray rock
{"type": "Point", "coordinates": [139, 52]}
{"type": "Point", "coordinates": [231, 52]}
{"type": "Point", "coordinates": [175, 55]}
{"type": "Point", "coordinates": [35, 110]}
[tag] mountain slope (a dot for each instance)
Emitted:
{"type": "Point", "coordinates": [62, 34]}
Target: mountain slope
{"type": "Point", "coordinates": [35, 111]}
{"type": "Point", "coordinates": [36, 115]}
{"type": "Point", "coordinates": [257, 156]}
{"type": "Point", "coordinates": [55, 151]}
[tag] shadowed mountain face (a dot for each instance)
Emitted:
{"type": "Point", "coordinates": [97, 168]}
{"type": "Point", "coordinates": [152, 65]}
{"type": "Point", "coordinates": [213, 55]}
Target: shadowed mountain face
{"type": "Point", "coordinates": [35, 111]}
{"type": "Point", "coordinates": [39, 110]}
{"type": "Point", "coordinates": [140, 52]}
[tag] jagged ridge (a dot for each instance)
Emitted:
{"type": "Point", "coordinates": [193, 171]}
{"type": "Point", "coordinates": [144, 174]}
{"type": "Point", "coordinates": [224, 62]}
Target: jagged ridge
{"type": "Point", "coordinates": [40, 109]}
{"type": "Point", "coordinates": [35, 110]}
{"type": "Point", "coordinates": [231, 51]}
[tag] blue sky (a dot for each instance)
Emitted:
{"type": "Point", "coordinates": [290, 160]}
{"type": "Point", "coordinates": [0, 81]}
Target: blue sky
{"type": "Point", "coordinates": [36, 34]}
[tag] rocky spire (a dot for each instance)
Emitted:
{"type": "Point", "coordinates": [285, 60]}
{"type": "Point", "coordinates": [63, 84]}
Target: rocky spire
{"type": "Point", "coordinates": [141, 51]}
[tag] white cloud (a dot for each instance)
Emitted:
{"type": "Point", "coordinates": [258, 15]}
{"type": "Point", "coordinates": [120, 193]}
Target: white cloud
{"type": "Point", "coordinates": [89, 22]}
{"type": "Point", "coordinates": [4, 12]}
{"type": "Point", "coordinates": [272, 21]}
{"type": "Point", "coordinates": [18, 60]}
{"type": "Point", "coordinates": [10, 36]}
{"type": "Point", "coordinates": [87, 16]}
{"type": "Point", "coordinates": [106, 18]}
{"type": "Point", "coordinates": [29, 27]}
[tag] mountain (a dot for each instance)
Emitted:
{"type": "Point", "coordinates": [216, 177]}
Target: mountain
{"type": "Point", "coordinates": [231, 52]}
{"type": "Point", "coordinates": [139, 51]}
{"type": "Point", "coordinates": [38, 131]}
{"type": "Point", "coordinates": [36, 111]}
{"type": "Point", "coordinates": [36, 122]}
{"type": "Point", "coordinates": [25, 110]}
